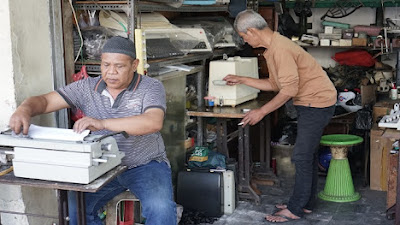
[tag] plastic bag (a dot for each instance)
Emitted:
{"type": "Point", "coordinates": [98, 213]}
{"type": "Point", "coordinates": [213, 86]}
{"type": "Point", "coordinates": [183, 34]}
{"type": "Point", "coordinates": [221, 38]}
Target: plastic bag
{"type": "Point", "coordinates": [76, 113]}
{"type": "Point", "coordinates": [354, 58]}
{"type": "Point", "coordinates": [202, 157]}
{"type": "Point", "coordinates": [363, 119]}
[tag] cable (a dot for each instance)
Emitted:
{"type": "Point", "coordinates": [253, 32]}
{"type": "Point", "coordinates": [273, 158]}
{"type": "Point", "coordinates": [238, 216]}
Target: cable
{"type": "Point", "coordinates": [79, 31]}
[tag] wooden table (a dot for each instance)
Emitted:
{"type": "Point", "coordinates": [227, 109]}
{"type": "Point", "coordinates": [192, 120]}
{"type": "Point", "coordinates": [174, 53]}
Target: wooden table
{"type": "Point", "coordinates": [61, 190]}
{"type": "Point", "coordinates": [224, 113]}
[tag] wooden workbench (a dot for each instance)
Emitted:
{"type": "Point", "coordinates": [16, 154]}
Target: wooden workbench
{"type": "Point", "coordinates": [224, 113]}
{"type": "Point", "coordinates": [62, 188]}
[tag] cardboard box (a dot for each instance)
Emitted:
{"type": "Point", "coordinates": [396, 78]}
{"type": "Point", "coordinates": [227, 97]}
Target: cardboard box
{"type": "Point", "coordinates": [368, 94]}
{"type": "Point", "coordinates": [381, 109]}
{"type": "Point", "coordinates": [324, 42]}
{"type": "Point", "coordinates": [381, 144]}
{"type": "Point", "coordinates": [345, 42]}
{"type": "Point", "coordinates": [328, 30]}
{"type": "Point", "coordinates": [359, 42]}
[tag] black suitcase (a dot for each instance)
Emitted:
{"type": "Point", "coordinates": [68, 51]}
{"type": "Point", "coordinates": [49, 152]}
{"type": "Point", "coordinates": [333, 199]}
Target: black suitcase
{"type": "Point", "coordinates": [202, 192]}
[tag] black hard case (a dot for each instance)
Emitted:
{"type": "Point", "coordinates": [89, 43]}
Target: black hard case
{"type": "Point", "coordinates": [201, 191]}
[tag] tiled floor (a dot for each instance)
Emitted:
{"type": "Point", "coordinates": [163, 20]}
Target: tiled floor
{"type": "Point", "coordinates": [369, 210]}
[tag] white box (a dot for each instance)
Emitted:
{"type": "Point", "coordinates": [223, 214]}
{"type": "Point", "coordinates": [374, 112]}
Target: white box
{"type": "Point", "coordinates": [324, 42]}
{"type": "Point", "coordinates": [328, 30]}
{"type": "Point", "coordinates": [337, 31]}
{"type": "Point", "coordinates": [232, 95]}
{"type": "Point", "coordinates": [345, 42]}
{"type": "Point", "coordinates": [335, 43]}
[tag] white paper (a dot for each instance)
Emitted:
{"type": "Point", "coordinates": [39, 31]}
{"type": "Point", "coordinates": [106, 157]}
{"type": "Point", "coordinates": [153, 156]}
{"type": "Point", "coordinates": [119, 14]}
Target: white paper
{"type": "Point", "coordinates": [52, 133]}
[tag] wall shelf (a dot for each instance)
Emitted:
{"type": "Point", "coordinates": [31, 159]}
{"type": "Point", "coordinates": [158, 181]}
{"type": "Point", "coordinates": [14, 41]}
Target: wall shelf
{"type": "Point", "coordinates": [331, 3]}
{"type": "Point", "coordinates": [150, 7]}
{"type": "Point", "coordinates": [107, 5]}
{"type": "Point", "coordinates": [147, 6]}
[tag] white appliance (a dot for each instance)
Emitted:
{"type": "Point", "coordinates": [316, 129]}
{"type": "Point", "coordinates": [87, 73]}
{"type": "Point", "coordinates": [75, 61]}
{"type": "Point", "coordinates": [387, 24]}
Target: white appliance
{"type": "Point", "coordinates": [229, 192]}
{"type": "Point", "coordinates": [188, 40]}
{"type": "Point", "coordinates": [237, 94]}
{"type": "Point", "coordinates": [59, 160]}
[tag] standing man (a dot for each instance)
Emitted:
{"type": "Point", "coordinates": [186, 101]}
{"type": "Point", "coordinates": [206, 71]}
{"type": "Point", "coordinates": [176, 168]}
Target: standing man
{"type": "Point", "coordinates": [118, 100]}
{"type": "Point", "coordinates": [294, 74]}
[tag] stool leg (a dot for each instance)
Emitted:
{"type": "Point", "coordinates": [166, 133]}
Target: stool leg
{"type": "Point", "coordinates": [339, 183]}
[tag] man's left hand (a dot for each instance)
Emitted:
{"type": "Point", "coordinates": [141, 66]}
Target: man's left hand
{"type": "Point", "coordinates": [88, 123]}
{"type": "Point", "coordinates": [253, 117]}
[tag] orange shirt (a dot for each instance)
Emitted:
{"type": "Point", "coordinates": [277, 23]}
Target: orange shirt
{"type": "Point", "coordinates": [294, 72]}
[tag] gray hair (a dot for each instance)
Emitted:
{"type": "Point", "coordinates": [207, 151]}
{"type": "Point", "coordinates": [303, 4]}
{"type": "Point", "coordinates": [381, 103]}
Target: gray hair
{"type": "Point", "coordinates": [249, 19]}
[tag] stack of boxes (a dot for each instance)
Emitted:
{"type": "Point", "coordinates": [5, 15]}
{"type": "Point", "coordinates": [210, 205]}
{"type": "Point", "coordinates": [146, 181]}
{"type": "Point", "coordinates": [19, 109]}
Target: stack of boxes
{"type": "Point", "coordinates": [339, 34]}
{"type": "Point", "coordinates": [330, 37]}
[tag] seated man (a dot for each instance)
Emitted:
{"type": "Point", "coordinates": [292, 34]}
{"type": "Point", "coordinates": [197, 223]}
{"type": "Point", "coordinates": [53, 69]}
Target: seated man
{"type": "Point", "coordinates": [119, 100]}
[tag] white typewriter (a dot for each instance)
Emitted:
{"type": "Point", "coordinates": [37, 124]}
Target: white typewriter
{"type": "Point", "coordinates": [53, 154]}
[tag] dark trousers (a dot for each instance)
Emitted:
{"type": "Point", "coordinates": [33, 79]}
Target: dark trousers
{"type": "Point", "coordinates": [310, 126]}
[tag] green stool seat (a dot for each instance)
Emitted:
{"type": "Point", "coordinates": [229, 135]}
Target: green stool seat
{"type": "Point", "coordinates": [339, 183]}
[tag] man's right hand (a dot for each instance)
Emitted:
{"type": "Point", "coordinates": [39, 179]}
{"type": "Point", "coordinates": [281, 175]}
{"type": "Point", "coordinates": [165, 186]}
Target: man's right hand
{"type": "Point", "coordinates": [233, 79]}
{"type": "Point", "coordinates": [20, 121]}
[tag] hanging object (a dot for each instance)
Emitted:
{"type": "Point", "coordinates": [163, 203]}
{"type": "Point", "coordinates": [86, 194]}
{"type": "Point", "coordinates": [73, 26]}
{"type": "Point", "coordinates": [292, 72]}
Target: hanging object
{"type": "Point", "coordinates": [342, 9]}
{"type": "Point", "coordinates": [76, 113]}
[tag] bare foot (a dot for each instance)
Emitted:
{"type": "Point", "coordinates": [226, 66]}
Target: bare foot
{"type": "Point", "coordinates": [282, 216]}
{"type": "Point", "coordinates": [284, 206]}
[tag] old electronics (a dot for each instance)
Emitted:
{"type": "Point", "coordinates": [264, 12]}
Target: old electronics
{"type": "Point", "coordinates": [232, 95]}
{"type": "Point", "coordinates": [207, 184]}
{"type": "Point", "coordinates": [62, 160]}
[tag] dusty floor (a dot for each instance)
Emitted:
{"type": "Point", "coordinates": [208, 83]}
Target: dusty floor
{"type": "Point", "coordinates": [370, 209]}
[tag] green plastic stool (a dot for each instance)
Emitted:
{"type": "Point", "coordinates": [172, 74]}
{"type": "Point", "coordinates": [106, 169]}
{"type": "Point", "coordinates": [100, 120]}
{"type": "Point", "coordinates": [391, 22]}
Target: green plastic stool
{"type": "Point", "coordinates": [339, 183]}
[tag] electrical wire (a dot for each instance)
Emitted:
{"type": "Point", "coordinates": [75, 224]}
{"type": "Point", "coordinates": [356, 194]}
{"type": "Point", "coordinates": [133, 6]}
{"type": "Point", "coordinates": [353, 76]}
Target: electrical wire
{"type": "Point", "coordinates": [79, 31]}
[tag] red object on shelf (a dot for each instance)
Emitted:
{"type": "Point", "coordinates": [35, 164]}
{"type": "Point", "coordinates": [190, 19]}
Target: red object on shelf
{"type": "Point", "coordinates": [128, 215]}
{"type": "Point", "coordinates": [82, 74]}
{"type": "Point", "coordinates": [76, 114]}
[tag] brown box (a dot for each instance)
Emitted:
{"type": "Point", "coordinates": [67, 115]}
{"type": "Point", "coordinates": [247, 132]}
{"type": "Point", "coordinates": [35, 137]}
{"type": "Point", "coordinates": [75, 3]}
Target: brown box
{"type": "Point", "coordinates": [381, 144]}
{"type": "Point", "coordinates": [359, 42]}
{"type": "Point", "coordinates": [381, 109]}
{"type": "Point", "coordinates": [368, 94]}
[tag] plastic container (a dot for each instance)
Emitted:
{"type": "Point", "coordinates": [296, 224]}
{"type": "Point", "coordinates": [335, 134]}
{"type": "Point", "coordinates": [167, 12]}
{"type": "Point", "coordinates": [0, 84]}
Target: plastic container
{"type": "Point", "coordinates": [209, 102]}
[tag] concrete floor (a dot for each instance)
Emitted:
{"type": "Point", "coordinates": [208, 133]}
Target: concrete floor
{"type": "Point", "coordinates": [370, 209]}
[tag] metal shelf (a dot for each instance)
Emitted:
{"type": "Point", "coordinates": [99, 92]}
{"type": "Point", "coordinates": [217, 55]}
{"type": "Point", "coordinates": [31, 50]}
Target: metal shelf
{"type": "Point", "coordinates": [341, 47]}
{"type": "Point", "coordinates": [94, 66]}
{"type": "Point", "coordinates": [179, 60]}
{"type": "Point", "coordinates": [174, 74]}
{"type": "Point", "coordinates": [107, 5]}
{"type": "Point", "coordinates": [147, 6]}
{"type": "Point", "coordinates": [150, 7]}
{"type": "Point", "coordinates": [331, 3]}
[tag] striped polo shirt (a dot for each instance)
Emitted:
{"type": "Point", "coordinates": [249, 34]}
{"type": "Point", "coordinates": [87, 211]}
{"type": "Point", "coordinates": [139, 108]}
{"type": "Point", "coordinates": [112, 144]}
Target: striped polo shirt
{"type": "Point", "coordinates": [91, 96]}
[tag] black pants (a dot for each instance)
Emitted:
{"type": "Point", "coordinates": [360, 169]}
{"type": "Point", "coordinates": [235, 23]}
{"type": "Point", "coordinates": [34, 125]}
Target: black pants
{"type": "Point", "coordinates": [310, 126]}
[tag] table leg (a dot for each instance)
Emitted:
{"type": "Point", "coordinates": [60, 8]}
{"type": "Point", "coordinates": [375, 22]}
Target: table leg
{"type": "Point", "coordinates": [81, 208]}
{"type": "Point", "coordinates": [245, 190]}
{"type": "Point", "coordinates": [264, 171]}
{"type": "Point", "coordinates": [397, 213]}
{"type": "Point", "coordinates": [62, 200]}
{"type": "Point", "coordinates": [222, 140]}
